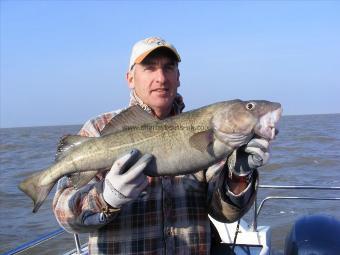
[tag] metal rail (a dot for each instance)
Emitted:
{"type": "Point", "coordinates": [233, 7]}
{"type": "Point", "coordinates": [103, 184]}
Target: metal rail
{"type": "Point", "coordinates": [35, 242]}
{"type": "Point", "coordinates": [77, 242]}
{"type": "Point", "coordinates": [257, 209]}
{"type": "Point", "coordinates": [42, 239]}
{"type": "Point", "coordinates": [298, 187]}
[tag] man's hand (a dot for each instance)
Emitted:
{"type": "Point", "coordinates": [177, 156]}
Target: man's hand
{"type": "Point", "coordinates": [126, 180]}
{"type": "Point", "coordinates": [258, 149]}
{"type": "Point", "coordinates": [253, 155]}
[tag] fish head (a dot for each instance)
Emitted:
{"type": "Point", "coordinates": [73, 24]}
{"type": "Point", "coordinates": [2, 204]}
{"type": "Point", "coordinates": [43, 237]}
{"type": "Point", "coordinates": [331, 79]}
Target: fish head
{"type": "Point", "coordinates": [269, 114]}
{"type": "Point", "coordinates": [236, 122]}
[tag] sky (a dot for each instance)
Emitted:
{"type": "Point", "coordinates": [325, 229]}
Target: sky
{"type": "Point", "coordinates": [64, 62]}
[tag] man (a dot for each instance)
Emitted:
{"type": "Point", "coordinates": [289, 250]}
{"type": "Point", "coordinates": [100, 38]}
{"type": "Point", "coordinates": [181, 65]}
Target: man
{"type": "Point", "coordinates": [126, 212]}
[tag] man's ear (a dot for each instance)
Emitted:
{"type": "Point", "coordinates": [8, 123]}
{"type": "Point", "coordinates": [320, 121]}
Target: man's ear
{"type": "Point", "coordinates": [178, 74]}
{"type": "Point", "coordinates": [130, 79]}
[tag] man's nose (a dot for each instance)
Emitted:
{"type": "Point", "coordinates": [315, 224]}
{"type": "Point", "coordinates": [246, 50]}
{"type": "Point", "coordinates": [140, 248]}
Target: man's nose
{"type": "Point", "coordinates": [160, 75]}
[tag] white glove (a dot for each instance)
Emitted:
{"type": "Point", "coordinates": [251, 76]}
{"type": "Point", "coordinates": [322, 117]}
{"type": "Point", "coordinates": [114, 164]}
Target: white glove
{"type": "Point", "coordinates": [253, 155]}
{"type": "Point", "coordinates": [258, 149]}
{"type": "Point", "coordinates": [126, 180]}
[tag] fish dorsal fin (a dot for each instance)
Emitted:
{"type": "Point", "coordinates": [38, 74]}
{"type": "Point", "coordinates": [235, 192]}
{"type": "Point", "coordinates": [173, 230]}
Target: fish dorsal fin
{"type": "Point", "coordinates": [202, 140]}
{"type": "Point", "coordinates": [132, 116]}
{"type": "Point", "coordinates": [68, 142]}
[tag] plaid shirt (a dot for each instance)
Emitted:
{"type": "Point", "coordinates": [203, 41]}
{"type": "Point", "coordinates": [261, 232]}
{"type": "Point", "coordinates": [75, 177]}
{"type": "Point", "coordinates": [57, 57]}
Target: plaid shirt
{"type": "Point", "coordinates": [169, 217]}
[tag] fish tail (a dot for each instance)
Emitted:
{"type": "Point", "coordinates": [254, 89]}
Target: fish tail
{"type": "Point", "coordinates": [38, 193]}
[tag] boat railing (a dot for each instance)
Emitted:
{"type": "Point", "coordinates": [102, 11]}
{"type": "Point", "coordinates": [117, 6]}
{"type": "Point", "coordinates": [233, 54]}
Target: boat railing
{"type": "Point", "coordinates": [35, 242]}
{"type": "Point", "coordinates": [257, 210]}
{"type": "Point", "coordinates": [44, 238]}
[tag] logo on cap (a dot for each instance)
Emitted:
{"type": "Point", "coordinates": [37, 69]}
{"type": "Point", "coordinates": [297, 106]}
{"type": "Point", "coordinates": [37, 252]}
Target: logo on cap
{"type": "Point", "coordinates": [156, 40]}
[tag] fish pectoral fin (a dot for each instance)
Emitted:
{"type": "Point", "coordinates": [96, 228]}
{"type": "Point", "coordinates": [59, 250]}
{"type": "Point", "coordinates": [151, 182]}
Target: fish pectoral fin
{"type": "Point", "coordinates": [79, 179]}
{"type": "Point", "coordinates": [132, 116]}
{"type": "Point", "coordinates": [202, 140]}
{"type": "Point", "coordinates": [68, 142]}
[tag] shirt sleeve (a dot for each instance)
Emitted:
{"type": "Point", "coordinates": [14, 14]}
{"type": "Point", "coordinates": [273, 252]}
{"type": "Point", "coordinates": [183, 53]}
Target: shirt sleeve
{"type": "Point", "coordinates": [84, 209]}
{"type": "Point", "coordinates": [81, 210]}
{"type": "Point", "coordinates": [226, 206]}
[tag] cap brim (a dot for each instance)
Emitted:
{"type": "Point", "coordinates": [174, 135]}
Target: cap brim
{"type": "Point", "coordinates": [145, 54]}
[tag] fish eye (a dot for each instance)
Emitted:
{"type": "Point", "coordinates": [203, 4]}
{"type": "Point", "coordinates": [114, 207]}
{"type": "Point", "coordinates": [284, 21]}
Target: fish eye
{"type": "Point", "coordinates": [250, 106]}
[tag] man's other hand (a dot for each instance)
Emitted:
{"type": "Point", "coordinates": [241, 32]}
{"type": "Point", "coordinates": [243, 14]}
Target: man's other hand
{"type": "Point", "coordinates": [249, 157]}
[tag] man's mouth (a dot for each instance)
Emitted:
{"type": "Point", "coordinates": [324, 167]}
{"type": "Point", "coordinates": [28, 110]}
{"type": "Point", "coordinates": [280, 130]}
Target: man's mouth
{"type": "Point", "coordinates": [161, 90]}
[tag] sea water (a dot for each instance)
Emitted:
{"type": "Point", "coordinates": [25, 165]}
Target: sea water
{"type": "Point", "coordinates": [306, 152]}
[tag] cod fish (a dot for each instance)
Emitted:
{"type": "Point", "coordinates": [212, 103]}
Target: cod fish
{"type": "Point", "coordinates": [181, 144]}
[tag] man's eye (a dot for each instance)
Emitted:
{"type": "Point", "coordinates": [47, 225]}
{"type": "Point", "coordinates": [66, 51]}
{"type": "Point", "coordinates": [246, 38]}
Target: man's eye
{"type": "Point", "coordinates": [149, 68]}
{"type": "Point", "coordinates": [170, 68]}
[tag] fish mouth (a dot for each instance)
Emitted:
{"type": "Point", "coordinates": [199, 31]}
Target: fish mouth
{"type": "Point", "coordinates": [266, 126]}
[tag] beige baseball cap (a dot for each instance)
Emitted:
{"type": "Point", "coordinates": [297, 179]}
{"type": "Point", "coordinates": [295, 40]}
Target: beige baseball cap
{"type": "Point", "coordinates": [144, 47]}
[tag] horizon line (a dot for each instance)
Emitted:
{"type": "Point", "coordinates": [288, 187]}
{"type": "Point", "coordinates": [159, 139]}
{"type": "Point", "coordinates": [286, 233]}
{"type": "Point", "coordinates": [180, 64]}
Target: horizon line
{"type": "Point", "coordinates": [57, 125]}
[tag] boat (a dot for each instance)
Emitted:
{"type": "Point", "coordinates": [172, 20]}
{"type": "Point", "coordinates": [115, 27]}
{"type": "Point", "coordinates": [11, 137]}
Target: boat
{"type": "Point", "coordinates": [312, 234]}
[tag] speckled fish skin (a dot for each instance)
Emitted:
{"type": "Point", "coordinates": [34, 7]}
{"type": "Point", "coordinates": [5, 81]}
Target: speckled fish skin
{"type": "Point", "coordinates": [182, 144]}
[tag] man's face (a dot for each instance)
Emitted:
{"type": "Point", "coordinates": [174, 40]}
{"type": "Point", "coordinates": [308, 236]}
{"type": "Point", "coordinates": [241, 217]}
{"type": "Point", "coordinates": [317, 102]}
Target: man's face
{"type": "Point", "coordinates": [155, 82]}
